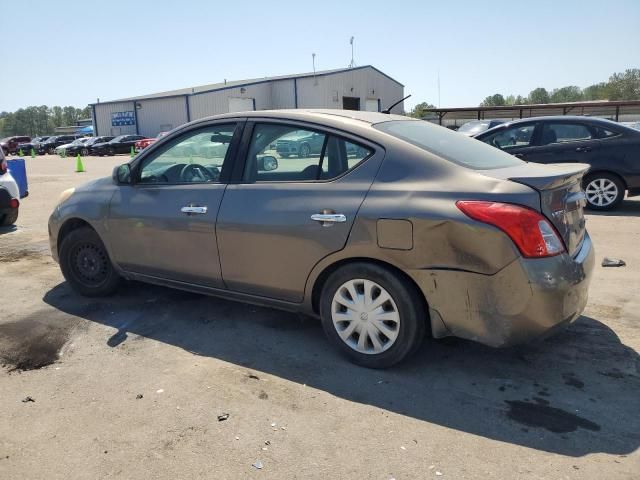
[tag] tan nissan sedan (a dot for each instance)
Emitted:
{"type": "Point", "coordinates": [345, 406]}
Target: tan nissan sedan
{"type": "Point", "coordinates": [385, 227]}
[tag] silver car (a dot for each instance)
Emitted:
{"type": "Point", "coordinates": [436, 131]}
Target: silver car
{"type": "Point", "coordinates": [394, 230]}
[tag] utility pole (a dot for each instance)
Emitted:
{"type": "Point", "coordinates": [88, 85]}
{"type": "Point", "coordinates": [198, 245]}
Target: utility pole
{"type": "Point", "coordinates": [353, 62]}
{"type": "Point", "coordinates": [439, 104]}
{"type": "Point", "coordinates": [313, 59]}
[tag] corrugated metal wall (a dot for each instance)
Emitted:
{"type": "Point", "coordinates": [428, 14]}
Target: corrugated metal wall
{"type": "Point", "coordinates": [103, 119]}
{"type": "Point", "coordinates": [161, 115]}
{"type": "Point", "coordinates": [325, 91]}
{"type": "Point", "coordinates": [214, 103]}
{"type": "Point", "coordinates": [328, 91]}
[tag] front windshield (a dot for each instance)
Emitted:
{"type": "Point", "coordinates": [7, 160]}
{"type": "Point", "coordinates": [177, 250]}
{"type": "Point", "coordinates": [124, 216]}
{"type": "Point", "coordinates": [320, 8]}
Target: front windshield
{"type": "Point", "coordinates": [451, 146]}
{"type": "Point", "coordinates": [474, 127]}
{"type": "Point", "coordinates": [79, 141]}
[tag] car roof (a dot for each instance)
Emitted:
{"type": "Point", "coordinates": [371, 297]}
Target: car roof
{"type": "Point", "coordinates": [319, 115]}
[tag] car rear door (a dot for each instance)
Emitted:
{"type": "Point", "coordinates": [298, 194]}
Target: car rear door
{"type": "Point", "coordinates": [275, 225]}
{"type": "Point", "coordinates": [163, 225]}
{"type": "Point", "coordinates": [565, 141]}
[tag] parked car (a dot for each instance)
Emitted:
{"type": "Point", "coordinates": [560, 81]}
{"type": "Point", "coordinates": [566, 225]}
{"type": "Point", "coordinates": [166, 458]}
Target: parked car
{"type": "Point", "coordinates": [611, 150]}
{"type": "Point", "coordinates": [69, 148]}
{"type": "Point", "coordinates": [426, 231]}
{"type": "Point", "coordinates": [145, 142]}
{"type": "Point", "coordinates": [9, 195]}
{"type": "Point", "coordinates": [32, 144]}
{"type": "Point", "coordinates": [120, 144]}
{"type": "Point", "coordinates": [84, 148]}
{"type": "Point", "coordinates": [50, 144]}
{"type": "Point", "coordinates": [10, 144]}
{"type": "Point", "coordinates": [475, 127]}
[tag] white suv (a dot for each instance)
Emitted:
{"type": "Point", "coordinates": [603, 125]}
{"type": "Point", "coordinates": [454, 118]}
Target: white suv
{"type": "Point", "coordinates": [9, 195]}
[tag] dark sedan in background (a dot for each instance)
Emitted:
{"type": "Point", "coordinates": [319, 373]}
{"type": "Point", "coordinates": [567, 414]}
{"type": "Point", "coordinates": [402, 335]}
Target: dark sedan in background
{"type": "Point", "coordinates": [50, 144]}
{"type": "Point", "coordinates": [86, 148]}
{"type": "Point", "coordinates": [612, 150]}
{"type": "Point", "coordinates": [120, 144]}
{"type": "Point", "coordinates": [474, 127]}
{"type": "Point", "coordinates": [33, 144]}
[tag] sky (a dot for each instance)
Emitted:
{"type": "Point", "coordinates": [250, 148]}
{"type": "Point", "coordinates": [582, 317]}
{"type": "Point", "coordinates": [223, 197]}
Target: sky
{"type": "Point", "coordinates": [73, 52]}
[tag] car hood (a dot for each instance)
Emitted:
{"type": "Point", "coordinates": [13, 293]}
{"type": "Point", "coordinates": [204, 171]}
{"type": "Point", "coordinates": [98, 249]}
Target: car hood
{"type": "Point", "coordinates": [94, 184]}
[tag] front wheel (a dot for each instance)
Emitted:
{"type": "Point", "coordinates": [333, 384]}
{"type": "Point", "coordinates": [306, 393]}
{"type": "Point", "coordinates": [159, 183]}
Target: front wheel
{"type": "Point", "coordinates": [305, 151]}
{"type": "Point", "coordinates": [84, 152]}
{"type": "Point", "coordinates": [372, 315]}
{"type": "Point", "coordinates": [604, 191]}
{"type": "Point", "coordinates": [85, 264]}
{"type": "Point", "coordinates": [52, 151]}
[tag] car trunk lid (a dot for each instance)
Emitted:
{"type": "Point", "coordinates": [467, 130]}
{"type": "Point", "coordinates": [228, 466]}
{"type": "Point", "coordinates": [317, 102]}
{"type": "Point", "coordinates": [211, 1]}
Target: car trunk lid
{"type": "Point", "coordinates": [562, 200]}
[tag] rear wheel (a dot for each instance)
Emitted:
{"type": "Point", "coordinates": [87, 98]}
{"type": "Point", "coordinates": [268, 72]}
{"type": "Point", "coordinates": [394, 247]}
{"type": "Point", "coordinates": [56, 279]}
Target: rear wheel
{"type": "Point", "coordinates": [305, 151]}
{"type": "Point", "coordinates": [604, 191]}
{"type": "Point", "coordinates": [85, 264]}
{"type": "Point", "coordinates": [111, 151]}
{"type": "Point", "coordinates": [372, 315]}
{"type": "Point", "coordinates": [52, 151]}
{"type": "Point", "coordinates": [84, 152]}
{"type": "Point", "coordinates": [10, 218]}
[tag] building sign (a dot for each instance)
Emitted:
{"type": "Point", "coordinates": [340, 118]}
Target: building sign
{"type": "Point", "coordinates": [119, 119]}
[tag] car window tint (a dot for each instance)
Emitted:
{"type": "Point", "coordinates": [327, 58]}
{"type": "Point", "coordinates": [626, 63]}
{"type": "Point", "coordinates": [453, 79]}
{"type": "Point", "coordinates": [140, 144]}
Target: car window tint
{"type": "Point", "coordinates": [564, 132]}
{"type": "Point", "coordinates": [282, 153]}
{"type": "Point", "coordinates": [196, 157]}
{"type": "Point", "coordinates": [509, 138]}
{"type": "Point", "coordinates": [447, 144]}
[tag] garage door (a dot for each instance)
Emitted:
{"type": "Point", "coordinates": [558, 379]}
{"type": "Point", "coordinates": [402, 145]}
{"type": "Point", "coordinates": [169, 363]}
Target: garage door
{"type": "Point", "coordinates": [371, 105]}
{"type": "Point", "coordinates": [241, 104]}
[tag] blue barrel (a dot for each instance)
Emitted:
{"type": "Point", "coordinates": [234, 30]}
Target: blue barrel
{"type": "Point", "coordinates": [18, 171]}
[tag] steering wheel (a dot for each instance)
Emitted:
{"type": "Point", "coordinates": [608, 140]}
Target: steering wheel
{"type": "Point", "coordinates": [194, 171]}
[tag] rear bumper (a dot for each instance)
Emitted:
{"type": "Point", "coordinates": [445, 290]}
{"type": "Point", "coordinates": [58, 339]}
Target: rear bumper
{"type": "Point", "coordinates": [528, 299]}
{"type": "Point", "coordinates": [5, 198]}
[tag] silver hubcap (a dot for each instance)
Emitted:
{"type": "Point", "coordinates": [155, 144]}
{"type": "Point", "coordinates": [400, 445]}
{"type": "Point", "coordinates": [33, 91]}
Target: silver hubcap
{"type": "Point", "coordinates": [601, 192]}
{"type": "Point", "coordinates": [365, 316]}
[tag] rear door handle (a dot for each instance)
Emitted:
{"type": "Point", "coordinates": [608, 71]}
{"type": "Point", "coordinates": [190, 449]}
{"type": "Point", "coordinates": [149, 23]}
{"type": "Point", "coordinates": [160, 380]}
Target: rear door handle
{"type": "Point", "coordinates": [583, 149]}
{"type": "Point", "coordinates": [328, 219]}
{"type": "Point", "coordinates": [519, 155]}
{"type": "Point", "coordinates": [191, 210]}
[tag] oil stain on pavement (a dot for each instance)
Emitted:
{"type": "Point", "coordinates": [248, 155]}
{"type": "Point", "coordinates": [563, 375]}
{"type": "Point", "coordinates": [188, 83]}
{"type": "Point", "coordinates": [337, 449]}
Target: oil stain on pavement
{"type": "Point", "coordinates": [542, 415]}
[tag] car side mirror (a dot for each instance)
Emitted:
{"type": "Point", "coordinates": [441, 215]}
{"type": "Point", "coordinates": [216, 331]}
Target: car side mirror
{"type": "Point", "coordinates": [122, 174]}
{"type": "Point", "coordinates": [267, 163]}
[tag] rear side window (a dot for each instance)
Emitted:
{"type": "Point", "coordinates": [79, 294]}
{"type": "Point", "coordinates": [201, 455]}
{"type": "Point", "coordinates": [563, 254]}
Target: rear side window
{"type": "Point", "coordinates": [283, 153]}
{"type": "Point", "coordinates": [564, 132]}
{"type": "Point", "coordinates": [451, 146]}
{"type": "Point", "coordinates": [605, 133]}
{"type": "Point", "coordinates": [513, 137]}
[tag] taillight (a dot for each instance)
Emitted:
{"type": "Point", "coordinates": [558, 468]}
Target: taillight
{"type": "Point", "coordinates": [532, 233]}
{"type": "Point", "coordinates": [3, 167]}
{"type": "Point", "coordinates": [14, 203]}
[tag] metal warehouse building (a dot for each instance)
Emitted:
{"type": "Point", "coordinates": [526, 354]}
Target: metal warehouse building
{"type": "Point", "coordinates": [358, 88]}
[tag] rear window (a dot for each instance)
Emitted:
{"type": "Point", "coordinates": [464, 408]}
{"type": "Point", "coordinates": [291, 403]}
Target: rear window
{"type": "Point", "coordinates": [452, 146]}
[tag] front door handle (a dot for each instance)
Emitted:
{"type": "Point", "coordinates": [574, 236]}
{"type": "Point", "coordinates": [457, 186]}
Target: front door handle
{"type": "Point", "coordinates": [583, 149]}
{"type": "Point", "coordinates": [328, 219]}
{"type": "Point", "coordinates": [191, 210]}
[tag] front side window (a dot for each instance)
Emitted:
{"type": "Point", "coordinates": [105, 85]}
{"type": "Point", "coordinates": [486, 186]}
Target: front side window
{"type": "Point", "coordinates": [509, 138]}
{"type": "Point", "coordinates": [564, 132]}
{"type": "Point", "coordinates": [284, 153]}
{"type": "Point", "coordinates": [196, 157]}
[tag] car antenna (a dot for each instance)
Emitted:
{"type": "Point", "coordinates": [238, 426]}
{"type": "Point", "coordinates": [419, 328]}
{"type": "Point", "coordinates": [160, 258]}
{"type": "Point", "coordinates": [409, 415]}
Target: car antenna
{"type": "Point", "coordinates": [388, 109]}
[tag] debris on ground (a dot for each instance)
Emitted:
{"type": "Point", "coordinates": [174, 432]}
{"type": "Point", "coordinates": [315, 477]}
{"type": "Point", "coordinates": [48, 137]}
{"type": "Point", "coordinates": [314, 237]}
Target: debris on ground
{"type": "Point", "coordinates": [253, 376]}
{"type": "Point", "coordinates": [258, 465]}
{"type": "Point", "coordinates": [139, 396]}
{"type": "Point", "coordinates": [439, 474]}
{"type": "Point", "coordinates": [223, 417]}
{"type": "Point", "coordinates": [273, 424]}
{"type": "Point", "coordinates": [159, 391]}
{"type": "Point", "coordinates": [28, 399]}
{"type": "Point", "coordinates": [613, 262]}
{"type": "Point", "coordinates": [267, 442]}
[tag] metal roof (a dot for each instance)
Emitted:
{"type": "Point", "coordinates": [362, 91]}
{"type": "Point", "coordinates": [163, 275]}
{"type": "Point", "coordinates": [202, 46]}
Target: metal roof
{"type": "Point", "coordinates": [241, 83]}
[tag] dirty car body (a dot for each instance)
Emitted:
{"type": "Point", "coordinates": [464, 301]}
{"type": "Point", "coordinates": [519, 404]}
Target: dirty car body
{"type": "Point", "coordinates": [441, 215]}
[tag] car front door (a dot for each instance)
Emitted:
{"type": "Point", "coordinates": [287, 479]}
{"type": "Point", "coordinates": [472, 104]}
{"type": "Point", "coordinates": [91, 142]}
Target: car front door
{"type": "Point", "coordinates": [163, 224]}
{"type": "Point", "coordinates": [562, 141]}
{"type": "Point", "coordinates": [285, 214]}
{"type": "Point", "coordinates": [515, 139]}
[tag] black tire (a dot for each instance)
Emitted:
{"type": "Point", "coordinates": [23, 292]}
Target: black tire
{"type": "Point", "coordinates": [304, 151]}
{"type": "Point", "coordinates": [607, 179]}
{"type": "Point", "coordinates": [111, 152]}
{"type": "Point", "coordinates": [85, 264]}
{"type": "Point", "coordinates": [51, 151]}
{"type": "Point", "coordinates": [9, 218]}
{"type": "Point", "coordinates": [408, 300]}
{"type": "Point", "coordinates": [84, 152]}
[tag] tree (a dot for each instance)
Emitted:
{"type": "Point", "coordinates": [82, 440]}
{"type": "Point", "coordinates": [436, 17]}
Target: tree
{"type": "Point", "coordinates": [493, 100]}
{"type": "Point", "coordinates": [566, 94]}
{"type": "Point", "coordinates": [598, 91]}
{"type": "Point", "coordinates": [625, 86]}
{"type": "Point", "coordinates": [539, 95]}
{"type": "Point", "coordinates": [420, 110]}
